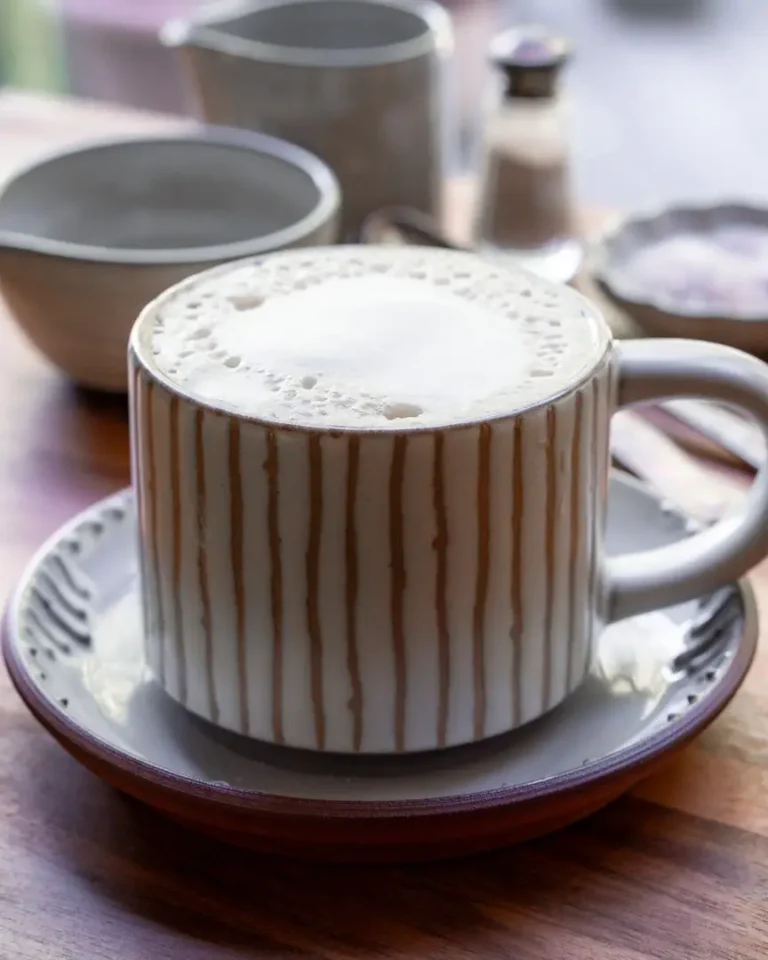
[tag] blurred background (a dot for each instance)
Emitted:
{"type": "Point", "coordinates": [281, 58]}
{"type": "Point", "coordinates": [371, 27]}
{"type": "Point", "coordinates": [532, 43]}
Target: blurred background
{"type": "Point", "coordinates": [667, 95]}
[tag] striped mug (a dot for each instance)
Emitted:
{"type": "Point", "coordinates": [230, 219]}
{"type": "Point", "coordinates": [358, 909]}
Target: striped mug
{"type": "Point", "coordinates": [423, 569]}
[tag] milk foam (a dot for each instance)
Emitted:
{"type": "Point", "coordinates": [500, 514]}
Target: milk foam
{"type": "Point", "coordinates": [373, 337]}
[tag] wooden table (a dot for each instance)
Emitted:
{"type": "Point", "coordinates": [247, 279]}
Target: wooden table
{"type": "Point", "coordinates": [677, 870]}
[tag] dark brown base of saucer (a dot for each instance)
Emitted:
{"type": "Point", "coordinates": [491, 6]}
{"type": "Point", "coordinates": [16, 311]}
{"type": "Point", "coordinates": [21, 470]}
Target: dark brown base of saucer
{"type": "Point", "coordinates": [399, 839]}
{"type": "Point", "coordinates": [427, 842]}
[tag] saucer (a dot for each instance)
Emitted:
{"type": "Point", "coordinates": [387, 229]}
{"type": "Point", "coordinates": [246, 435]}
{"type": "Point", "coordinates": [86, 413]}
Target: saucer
{"type": "Point", "coordinates": [72, 643]}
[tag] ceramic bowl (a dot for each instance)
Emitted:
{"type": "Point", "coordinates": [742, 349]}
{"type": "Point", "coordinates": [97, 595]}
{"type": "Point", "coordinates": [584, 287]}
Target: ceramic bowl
{"type": "Point", "coordinates": [89, 236]}
{"type": "Point", "coordinates": [735, 227]}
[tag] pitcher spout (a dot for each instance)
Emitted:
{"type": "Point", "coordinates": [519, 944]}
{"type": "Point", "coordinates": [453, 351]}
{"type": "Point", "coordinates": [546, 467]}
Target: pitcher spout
{"type": "Point", "coordinates": [178, 34]}
{"type": "Point", "coordinates": [202, 29]}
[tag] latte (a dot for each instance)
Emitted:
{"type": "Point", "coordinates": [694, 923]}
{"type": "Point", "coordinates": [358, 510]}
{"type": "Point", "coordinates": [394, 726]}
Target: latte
{"type": "Point", "coordinates": [373, 338]}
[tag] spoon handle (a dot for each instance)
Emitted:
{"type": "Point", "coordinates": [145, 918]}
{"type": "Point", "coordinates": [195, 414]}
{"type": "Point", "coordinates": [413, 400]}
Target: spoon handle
{"type": "Point", "coordinates": [651, 455]}
{"type": "Point", "coordinates": [731, 431]}
{"type": "Point", "coordinates": [404, 225]}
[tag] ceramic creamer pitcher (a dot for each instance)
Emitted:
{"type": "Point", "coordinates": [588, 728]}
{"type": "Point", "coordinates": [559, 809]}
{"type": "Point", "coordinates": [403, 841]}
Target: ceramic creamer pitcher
{"type": "Point", "coordinates": [358, 82]}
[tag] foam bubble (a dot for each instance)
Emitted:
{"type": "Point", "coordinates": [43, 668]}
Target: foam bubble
{"type": "Point", "coordinates": [373, 338]}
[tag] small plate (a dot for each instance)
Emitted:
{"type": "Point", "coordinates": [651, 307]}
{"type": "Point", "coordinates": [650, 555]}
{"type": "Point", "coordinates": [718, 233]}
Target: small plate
{"type": "Point", "coordinates": [73, 646]}
{"type": "Point", "coordinates": [737, 228]}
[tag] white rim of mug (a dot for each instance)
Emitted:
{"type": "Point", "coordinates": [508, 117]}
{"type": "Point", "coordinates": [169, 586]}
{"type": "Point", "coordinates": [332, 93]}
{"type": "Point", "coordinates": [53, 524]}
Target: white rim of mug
{"type": "Point", "coordinates": [436, 36]}
{"type": "Point", "coordinates": [327, 205]}
{"type": "Point", "coordinates": [139, 347]}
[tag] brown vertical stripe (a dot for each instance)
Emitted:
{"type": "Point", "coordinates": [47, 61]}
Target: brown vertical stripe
{"type": "Point", "coordinates": [176, 549]}
{"type": "Point", "coordinates": [575, 604]}
{"type": "Point", "coordinates": [202, 561]}
{"type": "Point", "coordinates": [441, 593]}
{"type": "Point", "coordinates": [549, 553]}
{"type": "Point", "coordinates": [276, 586]}
{"type": "Point", "coordinates": [153, 532]}
{"type": "Point", "coordinates": [237, 560]}
{"type": "Point", "coordinates": [350, 546]}
{"type": "Point", "coordinates": [597, 465]}
{"type": "Point", "coordinates": [313, 584]}
{"type": "Point", "coordinates": [138, 478]}
{"type": "Point", "coordinates": [397, 562]}
{"type": "Point", "coordinates": [609, 372]}
{"type": "Point", "coordinates": [481, 580]}
{"type": "Point", "coordinates": [150, 588]}
{"type": "Point", "coordinates": [516, 633]}
{"type": "Point", "coordinates": [136, 431]}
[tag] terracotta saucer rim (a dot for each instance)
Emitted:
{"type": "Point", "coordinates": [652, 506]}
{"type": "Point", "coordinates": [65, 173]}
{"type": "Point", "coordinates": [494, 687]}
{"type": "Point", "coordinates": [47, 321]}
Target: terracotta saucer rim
{"type": "Point", "coordinates": [78, 740]}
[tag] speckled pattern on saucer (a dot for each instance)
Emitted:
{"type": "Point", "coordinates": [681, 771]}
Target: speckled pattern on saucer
{"type": "Point", "coordinates": [73, 645]}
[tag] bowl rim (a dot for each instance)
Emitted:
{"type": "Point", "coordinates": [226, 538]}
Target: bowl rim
{"type": "Point", "coordinates": [325, 209]}
{"type": "Point", "coordinates": [615, 283]}
{"type": "Point", "coordinates": [202, 28]}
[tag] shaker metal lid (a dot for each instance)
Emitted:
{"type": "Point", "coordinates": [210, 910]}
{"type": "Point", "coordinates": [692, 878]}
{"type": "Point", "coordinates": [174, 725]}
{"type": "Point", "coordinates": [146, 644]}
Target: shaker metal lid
{"type": "Point", "coordinates": [531, 57]}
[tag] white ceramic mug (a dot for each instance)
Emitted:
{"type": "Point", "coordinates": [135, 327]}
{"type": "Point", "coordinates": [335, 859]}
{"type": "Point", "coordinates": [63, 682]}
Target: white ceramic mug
{"type": "Point", "coordinates": [360, 83]}
{"type": "Point", "coordinates": [363, 590]}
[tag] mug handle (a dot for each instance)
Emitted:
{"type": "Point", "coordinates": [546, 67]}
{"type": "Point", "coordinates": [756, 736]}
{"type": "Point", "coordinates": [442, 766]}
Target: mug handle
{"type": "Point", "coordinates": [649, 370]}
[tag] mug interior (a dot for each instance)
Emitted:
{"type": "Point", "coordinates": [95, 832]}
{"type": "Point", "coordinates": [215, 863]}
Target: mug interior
{"type": "Point", "coordinates": [328, 25]}
{"type": "Point", "coordinates": [159, 195]}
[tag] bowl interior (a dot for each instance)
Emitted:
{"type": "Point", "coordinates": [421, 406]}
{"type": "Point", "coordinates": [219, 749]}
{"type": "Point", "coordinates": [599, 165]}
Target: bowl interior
{"type": "Point", "coordinates": [159, 195]}
{"type": "Point", "coordinates": [697, 261]}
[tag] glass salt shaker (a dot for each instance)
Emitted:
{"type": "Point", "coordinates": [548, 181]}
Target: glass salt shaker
{"type": "Point", "coordinates": [524, 210]}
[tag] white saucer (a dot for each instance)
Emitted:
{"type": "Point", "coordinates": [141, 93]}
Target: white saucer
{"type": "Point", "coordinates": [73, 646]}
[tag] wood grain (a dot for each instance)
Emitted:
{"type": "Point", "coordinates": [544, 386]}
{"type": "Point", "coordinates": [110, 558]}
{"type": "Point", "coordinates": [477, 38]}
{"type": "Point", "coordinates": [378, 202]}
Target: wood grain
{"type": "Point", "coordinates": [679, 870]}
